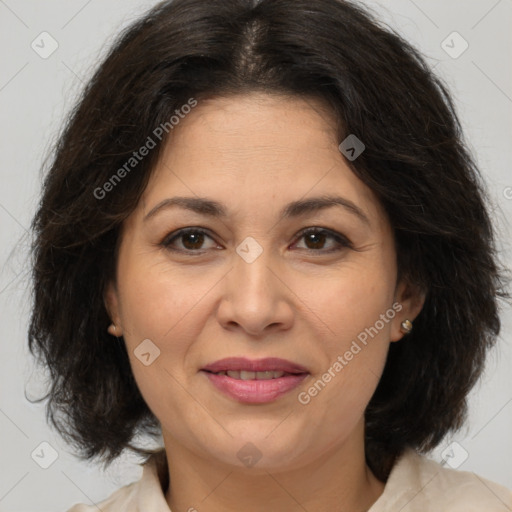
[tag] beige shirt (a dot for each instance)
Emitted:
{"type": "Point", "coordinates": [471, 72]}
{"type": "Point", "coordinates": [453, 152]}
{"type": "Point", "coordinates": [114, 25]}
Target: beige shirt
{"type": "Point", "coordinates": [416, 484]}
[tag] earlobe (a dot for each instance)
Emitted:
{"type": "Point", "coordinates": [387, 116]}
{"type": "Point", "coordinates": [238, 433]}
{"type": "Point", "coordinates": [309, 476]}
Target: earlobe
{"type": "Point", "coordinates": [411, 299]}
{"type": "Point", "coordinates": [112, 306]}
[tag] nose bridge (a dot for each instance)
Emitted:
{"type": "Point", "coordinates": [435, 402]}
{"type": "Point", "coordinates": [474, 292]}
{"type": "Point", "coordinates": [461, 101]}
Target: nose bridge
{"type": "Point", "coordinates": [252, 268]}
{"type": "Point", "coordinates": [254, 293]}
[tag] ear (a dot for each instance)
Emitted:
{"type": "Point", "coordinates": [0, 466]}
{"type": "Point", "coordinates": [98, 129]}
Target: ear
{"type": "Point", "coordinates": [111, 301]}
{"type": "Point", "coordinates": [409, 301]}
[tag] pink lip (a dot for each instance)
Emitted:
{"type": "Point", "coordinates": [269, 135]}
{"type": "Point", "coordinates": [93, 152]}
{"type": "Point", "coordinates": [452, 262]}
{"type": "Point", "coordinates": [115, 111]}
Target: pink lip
{"type": "Point", "coordinates": [255, 365]}
{"type": "Point", "coordinates": [255, 391]}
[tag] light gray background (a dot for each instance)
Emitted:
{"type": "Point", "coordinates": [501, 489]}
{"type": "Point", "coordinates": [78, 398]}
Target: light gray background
{"type": "Point", "coordinates": [35, 94]}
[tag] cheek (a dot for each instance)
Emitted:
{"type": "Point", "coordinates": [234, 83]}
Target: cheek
{"type": "Point", "coordinates": [351, 302]}
{"type": "Point", "coordinates": [157, 299]}
{"type": "Point", "coordinates": [157, 305]}
{"type": "Point", "coordinates": [163, 307]}
{"type": "Point", "coordinates": [355, 313]}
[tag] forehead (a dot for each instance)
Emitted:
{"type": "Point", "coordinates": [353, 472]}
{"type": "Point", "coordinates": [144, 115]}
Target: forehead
{"type": "Point", "coordinates": [249, 149]}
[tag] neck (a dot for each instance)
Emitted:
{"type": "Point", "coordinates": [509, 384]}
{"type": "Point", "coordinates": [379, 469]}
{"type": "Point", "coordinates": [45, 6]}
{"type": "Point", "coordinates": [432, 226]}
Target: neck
{"type": "Point", "coordinates": [337, 480]}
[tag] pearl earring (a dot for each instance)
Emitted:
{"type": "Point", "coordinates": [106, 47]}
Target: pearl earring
{"type": "Point", "coordinates": [406, 326]}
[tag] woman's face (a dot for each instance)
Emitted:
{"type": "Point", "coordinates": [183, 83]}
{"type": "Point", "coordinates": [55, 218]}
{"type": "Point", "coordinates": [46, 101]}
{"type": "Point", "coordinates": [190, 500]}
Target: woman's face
{"type": "Point", "coordinates": [249, 284]}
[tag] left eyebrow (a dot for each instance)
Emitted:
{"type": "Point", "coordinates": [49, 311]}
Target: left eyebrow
{"type": "Point", "coordinates": [301, 207]}
{"type": "Point", "coordinates": [314, 204]}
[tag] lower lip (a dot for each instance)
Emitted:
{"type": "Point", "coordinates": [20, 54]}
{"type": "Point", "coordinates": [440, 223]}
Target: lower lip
{"type": "Point", "coordinates": [255, 391]}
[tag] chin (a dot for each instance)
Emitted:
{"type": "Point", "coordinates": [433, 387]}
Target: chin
{"type": "Point", "coordinates": [258, 452]}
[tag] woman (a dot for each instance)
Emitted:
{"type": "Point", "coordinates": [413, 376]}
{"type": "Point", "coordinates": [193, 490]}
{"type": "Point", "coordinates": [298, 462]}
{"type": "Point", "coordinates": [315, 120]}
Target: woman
{"type": "Point", "coordinates": [263, 238]}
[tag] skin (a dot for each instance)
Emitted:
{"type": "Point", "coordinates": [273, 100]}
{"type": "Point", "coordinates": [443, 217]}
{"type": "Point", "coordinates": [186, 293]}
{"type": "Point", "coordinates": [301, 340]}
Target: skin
{"type": "Point", "coordinates": [255, 153]}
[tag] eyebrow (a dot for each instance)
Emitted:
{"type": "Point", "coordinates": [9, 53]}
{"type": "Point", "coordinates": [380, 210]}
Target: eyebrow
{"type": "Point", "coordinates": [211, 208]}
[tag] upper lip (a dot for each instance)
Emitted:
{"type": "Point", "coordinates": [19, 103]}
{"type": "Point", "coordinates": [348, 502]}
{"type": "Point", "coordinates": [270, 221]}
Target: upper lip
{"type": "Point", "coordinates": [255, 365]}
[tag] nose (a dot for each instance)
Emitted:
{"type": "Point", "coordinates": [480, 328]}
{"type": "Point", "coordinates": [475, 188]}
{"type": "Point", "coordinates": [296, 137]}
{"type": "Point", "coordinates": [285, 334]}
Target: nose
{"type": "Point", "coordinates": [255, 297]}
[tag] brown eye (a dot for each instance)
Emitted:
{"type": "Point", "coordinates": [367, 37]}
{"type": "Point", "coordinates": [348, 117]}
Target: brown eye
{"type": "Point", "coordinates": [315, 240]}
{"type": "Point", "coordinates": [192, 240]}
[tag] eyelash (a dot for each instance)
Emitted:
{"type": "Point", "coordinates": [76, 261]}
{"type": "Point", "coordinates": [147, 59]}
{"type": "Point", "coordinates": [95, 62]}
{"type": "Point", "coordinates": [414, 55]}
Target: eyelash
{"type": "Point", "coordinates": [343, 242]}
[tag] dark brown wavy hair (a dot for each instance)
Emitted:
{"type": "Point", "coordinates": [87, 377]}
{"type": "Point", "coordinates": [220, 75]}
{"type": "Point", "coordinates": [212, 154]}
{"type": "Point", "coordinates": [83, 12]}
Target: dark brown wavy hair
{"type": "Point", "coordinates": [378, 87]}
